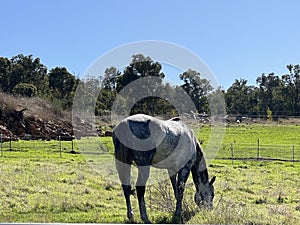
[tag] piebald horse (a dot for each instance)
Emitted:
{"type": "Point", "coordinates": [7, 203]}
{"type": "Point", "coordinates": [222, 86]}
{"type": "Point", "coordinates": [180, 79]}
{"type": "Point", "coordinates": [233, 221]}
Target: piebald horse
{"type": "Point", "coordinates": [147, 141]}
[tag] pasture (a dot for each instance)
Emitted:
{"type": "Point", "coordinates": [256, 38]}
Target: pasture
{"type": "Point", "coordinates": [39, 185]}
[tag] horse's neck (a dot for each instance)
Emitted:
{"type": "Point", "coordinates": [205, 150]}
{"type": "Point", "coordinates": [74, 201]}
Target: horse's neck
{"type": "Point", "coordinates": [200, 173]}
{"type": "Point", "coordinates": [203, 173]}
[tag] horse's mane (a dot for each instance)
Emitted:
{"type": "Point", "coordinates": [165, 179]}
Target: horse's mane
{"type": "Point", "coordinates": [175, 119]}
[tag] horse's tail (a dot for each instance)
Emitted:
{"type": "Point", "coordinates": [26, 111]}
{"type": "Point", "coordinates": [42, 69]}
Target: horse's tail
{"type": "Point", "coordinates": [123, 162]}
{"type": "Point", "coordinates": [121, 151]}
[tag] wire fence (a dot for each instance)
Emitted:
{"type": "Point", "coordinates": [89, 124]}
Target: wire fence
{"type": "Point", "coordinates": [258, 151]}
{"type": "Point", "coordinates": [57, 147]}
{"type": "Point", "coordinates": [94, 145]}
{"type": "Point", "coordinates": [31, 148]}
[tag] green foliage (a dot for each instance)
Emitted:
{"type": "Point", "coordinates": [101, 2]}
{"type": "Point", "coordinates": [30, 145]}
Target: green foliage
{"type": "Point", "coordinates": [241, 98]}
{"type": "Point", "coordinates": [27, 76]}
{"type": "Point", "coordinates": [61, 82]}
{"type": "Point", "coordinates": [140, 67]}
{"type": "Point", "coordinates": [62, 85]}
{"type": "Point", "coordinates": [26, 90]}
{"type": "Point", "coordinates": [197, 88]}
{"type": "Point", "coordinates": [25, 69]}
{"type": "Point", "coordinates": [154, 106]}
{"type": "Point", "coordinates": [280, 94]}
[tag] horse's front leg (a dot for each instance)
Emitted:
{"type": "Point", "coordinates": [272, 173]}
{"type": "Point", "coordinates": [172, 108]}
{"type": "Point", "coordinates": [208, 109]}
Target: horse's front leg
{"type": "Point", "coordinates": [143, 176]}
{"type": "Point", "coordinates": [183, 175]}
{"type": "Point", "coordinates": [173, 179]}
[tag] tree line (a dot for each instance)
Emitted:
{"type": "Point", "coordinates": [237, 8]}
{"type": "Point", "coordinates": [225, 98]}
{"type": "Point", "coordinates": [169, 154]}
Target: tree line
{"type": "Point", "coordinates": [27, 76]}
{"type": "Point", "coordinates": [273, 96]}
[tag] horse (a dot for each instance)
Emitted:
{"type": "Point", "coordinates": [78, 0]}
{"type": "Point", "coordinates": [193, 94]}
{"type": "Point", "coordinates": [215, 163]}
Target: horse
{"type": "Point", "coordinates": [145, 141]}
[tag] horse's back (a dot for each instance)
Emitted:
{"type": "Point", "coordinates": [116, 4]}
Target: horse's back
{"type": "Point", "coordinates": [166, 142]}
{"type": "Point", "coordinates": [133, 140]}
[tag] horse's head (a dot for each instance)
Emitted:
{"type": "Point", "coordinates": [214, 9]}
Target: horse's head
{"type": "Point", "coordinates": [204, 198]}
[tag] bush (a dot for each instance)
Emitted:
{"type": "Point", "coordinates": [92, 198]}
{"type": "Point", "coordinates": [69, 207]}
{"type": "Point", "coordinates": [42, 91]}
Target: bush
{"type": "Point", "coordinates": [25, 89]}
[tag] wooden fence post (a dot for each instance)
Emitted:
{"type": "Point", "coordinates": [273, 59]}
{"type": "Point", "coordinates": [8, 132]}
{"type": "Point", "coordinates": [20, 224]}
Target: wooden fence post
{"type": "Point", "coordinates": [72, 146]}
{"type": "Point", "coordinates": [258, 154]}
{"type": "Point", "coordinates": [10, 149]}
{"type": "Point", "coordinates": [59, 139]}
{"type": "Point", "coordinates": [231, 149]}
{"type": "Point", "coordinates": [1, 144]}
{"type": "Point", "coordinates": [293, 157]}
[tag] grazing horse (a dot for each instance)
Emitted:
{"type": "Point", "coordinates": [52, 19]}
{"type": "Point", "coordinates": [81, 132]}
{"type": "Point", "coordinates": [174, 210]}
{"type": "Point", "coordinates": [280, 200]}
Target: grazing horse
{"type": "Point", "coordinates": [147, 141]}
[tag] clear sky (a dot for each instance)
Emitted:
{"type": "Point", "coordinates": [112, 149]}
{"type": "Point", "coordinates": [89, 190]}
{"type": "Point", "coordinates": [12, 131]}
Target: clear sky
{"type": "Point", "coordinates": [236, 39]}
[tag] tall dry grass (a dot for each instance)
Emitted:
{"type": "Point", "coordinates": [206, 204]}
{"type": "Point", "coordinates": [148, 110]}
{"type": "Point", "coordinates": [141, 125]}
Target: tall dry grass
{"type": "Point", "coordinates": [35, 107]}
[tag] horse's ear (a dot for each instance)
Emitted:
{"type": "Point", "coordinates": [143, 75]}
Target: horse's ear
{"type": "Point", "coordinates": [213, 179]}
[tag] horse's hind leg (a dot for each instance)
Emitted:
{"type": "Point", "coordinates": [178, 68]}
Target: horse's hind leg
{"type": "Point", "coordinates": [127, 192]}
{"type": "Point", "coordinates": [124, 175]}
{"type": "Point", "coordinates": [140, 189]}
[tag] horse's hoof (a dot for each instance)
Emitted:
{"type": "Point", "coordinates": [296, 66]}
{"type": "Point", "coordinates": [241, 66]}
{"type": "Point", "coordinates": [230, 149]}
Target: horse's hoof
{"type": "Point", "coordinates": [146, 220]}
{"type": "Point", "coordinates": [176, 219]}
{"type": "Point", "coordinates": [131, 217]}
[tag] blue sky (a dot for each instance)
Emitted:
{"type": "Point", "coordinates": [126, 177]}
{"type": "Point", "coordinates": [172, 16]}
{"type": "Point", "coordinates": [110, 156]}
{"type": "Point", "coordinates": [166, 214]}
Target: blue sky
{"type": "Point", "coordinates": [236, 39]}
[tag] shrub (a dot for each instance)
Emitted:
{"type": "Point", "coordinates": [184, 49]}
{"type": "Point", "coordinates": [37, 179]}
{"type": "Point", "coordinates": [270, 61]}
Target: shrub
{"type": "Point", "coordinates": [25, 89]}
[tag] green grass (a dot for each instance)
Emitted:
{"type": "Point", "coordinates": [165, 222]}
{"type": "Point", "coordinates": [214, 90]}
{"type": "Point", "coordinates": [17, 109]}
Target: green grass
{"type": "Point", "coordinates": [254, 192]}
{"type": "Point", "coordinates": [39, 185]}
{"type": "Point", "coordinates": [274, 140]}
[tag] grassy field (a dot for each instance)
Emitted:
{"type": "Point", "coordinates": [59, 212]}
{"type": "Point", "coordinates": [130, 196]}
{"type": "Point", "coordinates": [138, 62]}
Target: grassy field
{"type": "Point", "coordinates": [273, 140]}
{"type": "Point", "coordinates": [38, 184]}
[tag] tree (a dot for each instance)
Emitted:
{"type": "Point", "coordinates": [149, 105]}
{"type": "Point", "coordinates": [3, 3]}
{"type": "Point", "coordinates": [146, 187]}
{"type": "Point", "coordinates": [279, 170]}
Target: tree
{"type": "Point", "coordinates": [270, 93]}
{"type": "Point", "coordinates": [292, 89]}
{"type": "Point", "coordinates": [110, 78]}
{"type": "Point", "coordinates": [62, 85]}
{"type": "Point", "coordinates": [61, 82]}
{"type": "Point", "coordinates": [269, 114]}
{"type": "Point", "coordinates": [5, 65]}
{"type": "Point", "coordinates": [26, 69]}
{"type": "Point", "coordinates": [197, 88]}
{"type": "Point", "coordinates": [139, 67]}
{"type": "Point", "coordinates": [241, 98]}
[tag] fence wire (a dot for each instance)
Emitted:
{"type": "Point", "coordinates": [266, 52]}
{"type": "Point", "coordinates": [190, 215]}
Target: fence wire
{"type": "Point", "coordinates": [94, 146]}
{"type": "Point", "coordinates": [285, 152]}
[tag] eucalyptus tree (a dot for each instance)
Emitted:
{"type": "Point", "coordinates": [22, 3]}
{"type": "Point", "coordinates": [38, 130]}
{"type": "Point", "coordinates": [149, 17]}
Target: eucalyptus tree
{"type": "Point", "coordinates": [241, 98]}
{"type": "Point", "coordinates": [197, 88]}
{"type": "Point", "coordinates": [25, 70]}
{"type": "Point", "coordinates": [292, 90]}
{"type": "Point", "coordinates": [270, 93]}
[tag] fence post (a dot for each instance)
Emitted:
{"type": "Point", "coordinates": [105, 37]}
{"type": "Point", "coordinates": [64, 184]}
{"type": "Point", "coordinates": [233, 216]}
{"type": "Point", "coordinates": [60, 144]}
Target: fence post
{"type": "Point", "coordinates": [72, 146]}
{"type": "Point", "coordinates": [258, 154]}
{"type": "Point", "coordinates": [10, 144]}
{"type": "Point", "coordinates": [59, 139]}
{"type": "Point", "coordinates": [293, 157]}
{"type": "Point", "coordinates": [1, 144]}
{"type": "Point", "coordinates": [231, 149]}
